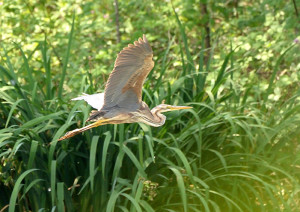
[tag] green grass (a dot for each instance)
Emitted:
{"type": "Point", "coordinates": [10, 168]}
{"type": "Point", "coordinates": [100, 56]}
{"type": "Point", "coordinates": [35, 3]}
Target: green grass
{"type": "Point", "coordinates": [231, 152]}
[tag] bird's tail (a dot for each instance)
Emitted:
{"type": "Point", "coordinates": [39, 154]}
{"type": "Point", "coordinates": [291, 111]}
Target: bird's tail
{"type": "Point", "coordinates": [77, 131]}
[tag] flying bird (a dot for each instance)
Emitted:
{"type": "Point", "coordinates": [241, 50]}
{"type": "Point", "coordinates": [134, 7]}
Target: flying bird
{"type": "Point", "coordinates": [121, 101]}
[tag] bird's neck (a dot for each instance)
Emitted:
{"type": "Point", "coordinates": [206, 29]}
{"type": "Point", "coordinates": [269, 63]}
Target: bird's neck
{"type": "Point", "coordinates": [158, 118]}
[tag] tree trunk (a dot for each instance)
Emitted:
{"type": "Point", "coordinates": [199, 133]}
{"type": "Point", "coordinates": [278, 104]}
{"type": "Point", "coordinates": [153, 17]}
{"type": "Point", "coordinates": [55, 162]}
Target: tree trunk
{"type": "Point", "coordinates": [117, 21]}
{"type": "Point", "coordinates": [204, 11]}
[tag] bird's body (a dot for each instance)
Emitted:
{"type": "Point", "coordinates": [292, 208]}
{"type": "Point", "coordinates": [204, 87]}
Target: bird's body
{"type": "Point", "coordinates": [121, 115]}
{"type": "Point", "coordinates": [122, 98]}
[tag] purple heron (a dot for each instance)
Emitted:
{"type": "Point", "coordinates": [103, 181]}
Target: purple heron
{"type": "Point", "coordinates": [121, 101]}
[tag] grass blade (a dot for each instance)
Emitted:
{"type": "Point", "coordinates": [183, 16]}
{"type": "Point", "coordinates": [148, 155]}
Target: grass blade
{"type": "Point", "coordinates": [41, 119]}
{"type": "Point", "coordinates": [133, 159]}
{"type": "Point", "coordinates": [133, 201]}
{"type": "Point", "coordinates": [17, 187]}
{"type": "Point", "coordinates": [47, 67]}
{"type": "Point", "coordinates": [32, 153]}
{"type": "Point", "coordinates": [93, 160]}
{"type": "Point", "coordinates": [181, 187]}
{"type": "Point", "coordinates": [66, 60]}
{"type": "Point", "coordinates": [28, 69]}
{"type": "Point", "coordinates": [104, 151]}
{"type": "Point", "coordinates": [12, 110]}
{"type": "Point", "coordinates": [113, 198]}
{"type": "Point", "coordinates": [146, 206]}
{"type": "Point", "coordinates": [53, 182]}
{"type": "Point", "coordinates": [60, 197]}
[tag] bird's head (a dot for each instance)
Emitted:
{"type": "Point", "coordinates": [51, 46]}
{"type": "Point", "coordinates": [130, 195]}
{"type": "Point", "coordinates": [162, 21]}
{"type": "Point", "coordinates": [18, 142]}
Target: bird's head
{"type": "Point", "coordinates": [165, 108]}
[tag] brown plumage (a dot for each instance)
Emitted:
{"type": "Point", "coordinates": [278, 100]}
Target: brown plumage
{"type": "Point", "coordinates": [122, 99]}
{"type": "Point", "coordinates": [132, 66]}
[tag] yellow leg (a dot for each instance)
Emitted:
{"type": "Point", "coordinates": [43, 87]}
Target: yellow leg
{"type": "Point", "coordinates": [77, 131]}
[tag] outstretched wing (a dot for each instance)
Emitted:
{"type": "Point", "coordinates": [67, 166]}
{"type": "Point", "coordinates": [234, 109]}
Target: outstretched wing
{"type": "Point", "coordinates": [124, 85]}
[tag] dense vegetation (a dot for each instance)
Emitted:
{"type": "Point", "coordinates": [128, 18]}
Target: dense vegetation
{"type": "Point", "coordinates": [236, 62]}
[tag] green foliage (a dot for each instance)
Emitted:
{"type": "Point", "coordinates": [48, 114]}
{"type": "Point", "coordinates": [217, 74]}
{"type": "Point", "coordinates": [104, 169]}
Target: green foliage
{"type": "Point", "coordinates": [236, 150]}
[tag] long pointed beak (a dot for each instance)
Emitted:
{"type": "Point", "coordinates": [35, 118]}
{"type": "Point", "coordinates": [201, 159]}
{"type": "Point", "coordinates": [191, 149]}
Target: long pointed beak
{"type": "Point", "coordinates": [179, 107]}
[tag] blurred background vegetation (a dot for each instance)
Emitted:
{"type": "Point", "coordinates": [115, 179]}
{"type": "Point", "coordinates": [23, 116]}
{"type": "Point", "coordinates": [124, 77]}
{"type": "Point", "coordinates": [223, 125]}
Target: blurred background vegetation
{"type": "Point", "coordinates": [236, 62]}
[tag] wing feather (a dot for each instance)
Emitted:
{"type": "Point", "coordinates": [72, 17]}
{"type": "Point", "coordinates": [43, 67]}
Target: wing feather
{"type": "Point", "coordinates": [95, 100]}
{"type": "Point", "coordinates": [133, 64]}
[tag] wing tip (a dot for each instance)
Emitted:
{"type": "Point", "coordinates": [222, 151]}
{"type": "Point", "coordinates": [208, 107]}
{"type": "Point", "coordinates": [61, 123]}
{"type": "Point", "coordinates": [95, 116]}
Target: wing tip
{"type": "Point", "coordinates": [147, 45]}
{"type": "Point", "coordinates": [140, 43]}
{"type": "Point", "coordinates": [77, 98]}
{"type": "Point", "coordinates": [145, 39]}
